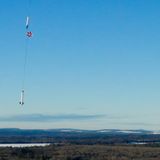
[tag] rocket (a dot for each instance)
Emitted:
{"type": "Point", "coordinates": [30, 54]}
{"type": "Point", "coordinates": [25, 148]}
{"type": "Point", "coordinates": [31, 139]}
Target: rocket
{"type": "Point", "coordinates": [22, 98]}
{"type": "Point", "coordinates": [27, 22]}
{"type": "Point", "coordinates": [28, 33]}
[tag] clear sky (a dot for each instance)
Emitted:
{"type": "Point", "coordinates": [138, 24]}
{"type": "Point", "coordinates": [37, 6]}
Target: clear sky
{"type": "Point", "coordinates": [92, 64]}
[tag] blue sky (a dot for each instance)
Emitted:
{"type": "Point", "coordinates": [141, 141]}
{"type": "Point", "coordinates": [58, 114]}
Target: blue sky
{"type": "Point", "coordinates": [96, 61]}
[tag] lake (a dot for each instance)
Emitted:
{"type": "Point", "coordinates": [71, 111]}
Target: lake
{"type": "Point", "coordinates": [24, 145]}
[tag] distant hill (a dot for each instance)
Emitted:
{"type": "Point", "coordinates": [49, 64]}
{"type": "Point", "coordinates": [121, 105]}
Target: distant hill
{"type": "Point", "coordinates": [77, 136]}
{"type": "Point", "coordinates": [58, 132]}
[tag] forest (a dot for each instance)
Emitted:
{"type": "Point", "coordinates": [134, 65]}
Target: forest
{"type": "Point", "coordinates": [80, 145]}
{"type": "Point", "coordinates": [81, 152]}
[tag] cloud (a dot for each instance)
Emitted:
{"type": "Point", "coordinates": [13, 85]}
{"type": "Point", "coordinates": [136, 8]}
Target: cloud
{"type": "Point", "coordinates": [48, 118]}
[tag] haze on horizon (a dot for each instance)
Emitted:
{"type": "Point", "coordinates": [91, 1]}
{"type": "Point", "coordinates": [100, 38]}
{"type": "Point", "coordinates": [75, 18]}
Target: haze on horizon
{"type": "Point", "coordinates": [92, 64]}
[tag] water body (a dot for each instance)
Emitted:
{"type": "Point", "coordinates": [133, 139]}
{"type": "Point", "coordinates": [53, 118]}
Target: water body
{"type": "Point", "coordinates": [24, 145]}
{"type": "Point", "coordinates": [139, 143]}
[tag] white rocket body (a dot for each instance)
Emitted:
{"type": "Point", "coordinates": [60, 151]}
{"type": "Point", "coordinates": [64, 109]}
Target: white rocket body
{"type": "Point", "coordinates": [22, 98]}
{"type": "Point", "coordinates": [27, 22]}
